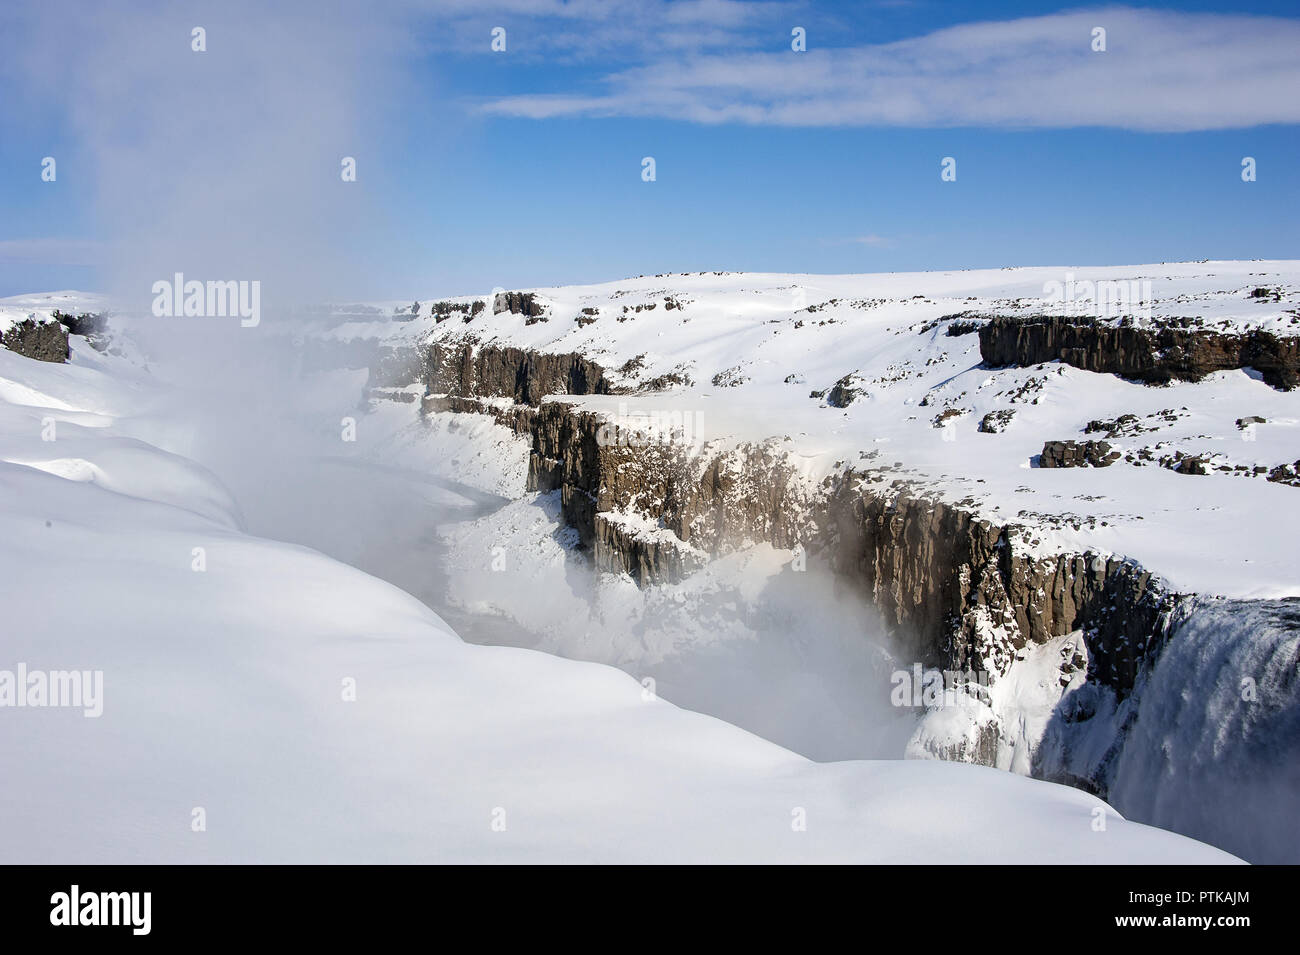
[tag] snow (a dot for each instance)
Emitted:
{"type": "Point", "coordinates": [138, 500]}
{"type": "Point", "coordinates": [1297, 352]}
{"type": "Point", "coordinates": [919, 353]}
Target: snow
{"type": "Point", "coordinates": [880, 329]}
{"type": "Point", "coordinates": [225, 686]}
{"type": "Point", "coordinates": [41, 306]}
{"type": "Point", "coordinates": [1017, 705]}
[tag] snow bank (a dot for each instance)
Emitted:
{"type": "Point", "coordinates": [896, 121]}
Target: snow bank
{"type": "Point", "coordinates": [262, 702]}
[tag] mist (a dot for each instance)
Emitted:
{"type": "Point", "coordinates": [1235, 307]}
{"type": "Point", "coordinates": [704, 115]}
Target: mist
{"type": "Point", "coordinates": [226, 164]}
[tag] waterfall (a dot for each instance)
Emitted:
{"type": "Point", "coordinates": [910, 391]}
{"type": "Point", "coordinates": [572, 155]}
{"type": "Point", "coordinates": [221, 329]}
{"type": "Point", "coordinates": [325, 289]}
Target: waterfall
{"type": "Point", "coordinates": [1215, 751]}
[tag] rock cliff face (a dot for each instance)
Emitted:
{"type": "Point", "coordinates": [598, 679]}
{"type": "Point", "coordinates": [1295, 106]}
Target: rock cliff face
{"type": "Point", "coordinates": [1173, 349]}
{"type": "Point", "coordinates": [518, 303]}
{"type": "Point", "coordinates": [965, 593]}
{"type": "Point", "coordinates": [43, 341]}
{"type": "Point", "coordinates": [485, 371]}
{"type": "Point", "coordinates": [655, 509]}
{"type": "Point", "coordinates": [970, 593]}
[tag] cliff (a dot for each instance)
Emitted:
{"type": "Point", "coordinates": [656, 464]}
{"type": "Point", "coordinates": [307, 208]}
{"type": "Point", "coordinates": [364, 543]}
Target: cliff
{"type": "Point", "coordinates": [1165, 351]}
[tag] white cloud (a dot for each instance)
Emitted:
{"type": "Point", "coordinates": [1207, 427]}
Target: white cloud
{"type": "Point", "coordinates": [1162, 71]}
{"type": "Point", "coordinates": [610, 30]}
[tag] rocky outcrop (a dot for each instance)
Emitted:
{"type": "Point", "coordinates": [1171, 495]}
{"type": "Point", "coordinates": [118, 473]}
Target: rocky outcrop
{"type": "Point", "coordinates": [87, 324]}
{"type": "Point", "coordinates": [489, 371]}
{"type": "Point", "coordinates": [995, 422]}
{"type": "Point", "coordinates": [846, 391]}
{"type": "Point", "coordinates": [1286, 474]}
{"type": "Point", "coordinates": [970, 593]}
{"type": "Point", "coordinates": [620, 549]}
{"type": "Point", "coordinates": [518, 303]}
{"type": "Point", "coordinates": [441, 311]}
{"type": "Point", "coordinates": [43, 341]}
{"type": "Point", "coordinates": [963, 592]}
{"type": "Point", "coordinates": [1193, 464]}
{"type": "Point", "coordinates": [1077, 454]}
{"type": "Point", "coordinates": [1171, 349]}
{"type": "Point", "coordinates": [1123, 426]}
{"type": "Point", "coordinates": [687, 502]}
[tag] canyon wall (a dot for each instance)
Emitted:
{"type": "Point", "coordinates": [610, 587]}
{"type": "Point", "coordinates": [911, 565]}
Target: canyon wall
{"type": "Point", "coordinates": [527, 376]}
{"type": "Point", "coordinates": [1172, 349]}
{"type": "Point", "coordinates": [965, 593]}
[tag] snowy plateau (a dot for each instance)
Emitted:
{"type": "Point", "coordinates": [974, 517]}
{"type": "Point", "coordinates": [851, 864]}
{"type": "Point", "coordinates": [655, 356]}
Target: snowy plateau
{"type": "Point", "coordinates": [923, 568]}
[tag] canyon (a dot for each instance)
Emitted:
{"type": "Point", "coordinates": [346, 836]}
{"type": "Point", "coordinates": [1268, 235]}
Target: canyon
{"type": "Point", "coordinates": [959, 586]}
{"type": "Point", "coordinates": [887, 478]}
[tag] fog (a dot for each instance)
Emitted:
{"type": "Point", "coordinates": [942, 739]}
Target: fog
{"type": "Point", "coordinates": [224, 165]}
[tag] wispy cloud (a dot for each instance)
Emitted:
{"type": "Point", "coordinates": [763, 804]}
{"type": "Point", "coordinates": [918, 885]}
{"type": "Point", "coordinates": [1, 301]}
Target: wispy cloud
{"type": "Point", "coordinates": [1161, 71]}
{"type": "Point", "coordinates": [616, 30]}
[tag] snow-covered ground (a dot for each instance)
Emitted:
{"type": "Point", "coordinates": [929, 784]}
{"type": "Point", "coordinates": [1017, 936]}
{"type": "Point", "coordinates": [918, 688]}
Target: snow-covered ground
{"type": "Point", "coordinates": [1221, 533]}
{"type": "Point", "coordinates": [753, 347]}
{"type": "Point", "coordinates": [263, 702]}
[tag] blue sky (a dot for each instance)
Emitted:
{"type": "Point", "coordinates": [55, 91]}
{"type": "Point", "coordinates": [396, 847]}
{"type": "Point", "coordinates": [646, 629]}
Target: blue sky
{"type": "Point", "coordinates": [479, 169]}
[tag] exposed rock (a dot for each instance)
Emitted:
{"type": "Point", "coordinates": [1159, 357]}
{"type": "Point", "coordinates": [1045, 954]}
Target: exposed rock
{"type": "Point", "coordinates": [87, 324]}
{"type": "Point", "coordinates": [846, 391]}
{"type": "Point", "coordinates": [960, 591]}
{"type": "Point", "coordinates": [528, 376]}
{"type": "Point", "coordinates": [995, 422]}
{"type": "Point", "coordinates": [518, 303]}
{"type": "Point", "coordinates": [711, 503]}
{"type": "Point", "coordinates": [962, 327]}
{"type": "Point", "coordinates": [1124, 424]}
{"type": "Point", "coordinates": [666, 381]}
{"type": "Point", "coordinates": [618, 550]}
{"type": "Point", "coordinates": [967, 595]}
{"type": "Point", "coordinates": [1170, 350]}
{"type": "Point", "coordinates": [43, 341]}
{"type": "Point", "coordinates": [93, 326]}
{"type": "Point", "coordinates": [1246, 422]}
{"type": "Point", "coordinates": [1077, 454]}
{"type": "Point", "coordinates": [730, 378]}
{"type": "Point", "coordinates": [1286, 474]}
{"type": "Point", "coordinates": [443, 310]}
{"type": "Point", "coordinates": [947, 414]}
